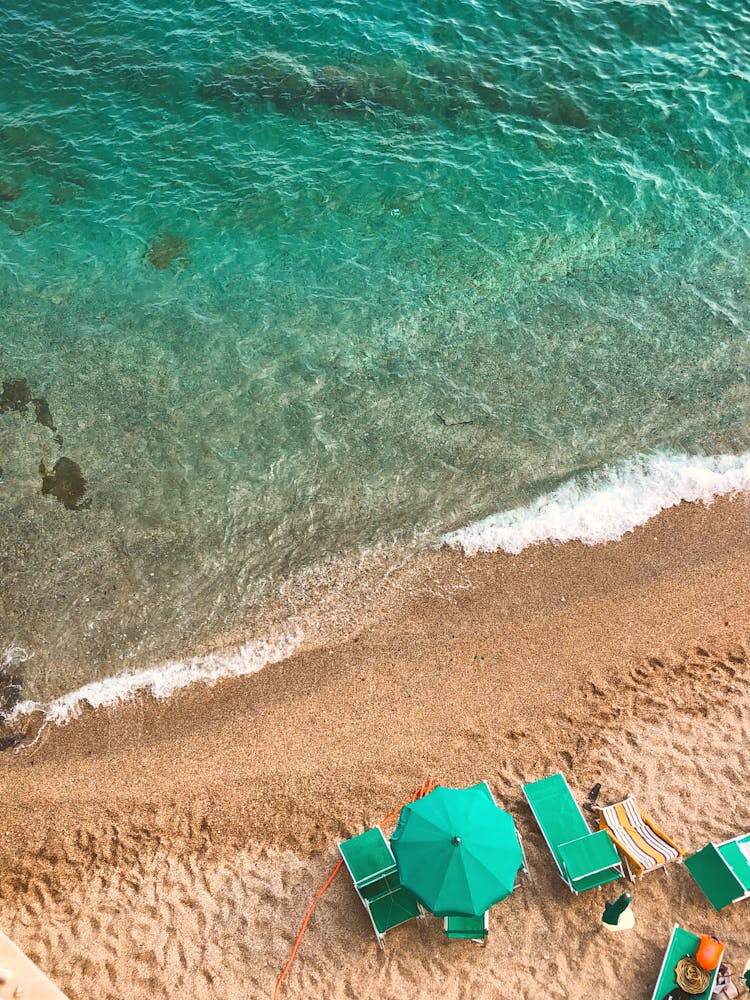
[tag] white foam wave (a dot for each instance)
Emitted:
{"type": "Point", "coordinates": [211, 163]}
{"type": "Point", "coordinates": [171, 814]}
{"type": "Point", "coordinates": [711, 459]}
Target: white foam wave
{"type": "Point", "coordinates": [163, 680]}
{"type": "Point", "coordinates": [605, 505]}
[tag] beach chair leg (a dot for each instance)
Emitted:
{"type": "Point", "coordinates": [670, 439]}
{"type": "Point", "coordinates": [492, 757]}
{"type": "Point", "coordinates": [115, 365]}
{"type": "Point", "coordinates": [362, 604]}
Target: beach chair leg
{"type": "Point", "coordinates": [525, 864]}
{"type": "Point", "coordinates": [631, 876]}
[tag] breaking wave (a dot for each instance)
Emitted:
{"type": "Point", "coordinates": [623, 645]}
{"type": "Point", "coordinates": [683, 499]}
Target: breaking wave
{"type": "Point", "coordinates": [607, 504]}
{"type": "Point", "coordinates": [164, 680]}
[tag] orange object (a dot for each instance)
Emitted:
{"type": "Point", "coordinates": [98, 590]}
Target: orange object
{"type": "Point", "coordinates": [709, 952]}
{"type": "Point", "coordinates": [423, 790]}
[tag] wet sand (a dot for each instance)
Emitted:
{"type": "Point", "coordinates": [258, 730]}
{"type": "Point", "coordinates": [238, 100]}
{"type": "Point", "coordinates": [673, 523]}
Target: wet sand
{"type": "Point", "coordinates": [170, 849]}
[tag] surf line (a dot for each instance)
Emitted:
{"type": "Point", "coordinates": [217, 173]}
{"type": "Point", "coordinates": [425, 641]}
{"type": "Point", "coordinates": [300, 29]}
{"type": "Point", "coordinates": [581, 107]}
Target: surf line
{"type": "Point", "coordinates": [603, 506]}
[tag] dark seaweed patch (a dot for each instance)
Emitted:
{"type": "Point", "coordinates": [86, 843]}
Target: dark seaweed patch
{"type": "Point", "coordinates": [66, 483]}
{"type": "Point", "coordinates": [22, 222]}
{"type": "Point", "coordinates": [289, 86]}
{"type": "Point", "coordinates": [165, 249]}
{"type": "Point", "coordinates": [10, 693]}
{"type": "Point", "coordinates": [10, 192]}
{"type": "Point", "coordinates": [447, 89]}
{"type": "Point", "coordinates": [11, 686]}
{"type": "Point", "coordinates": [16, 396]}
{"type": "Point", "coordinates": [43, 415]}
{"type": "Point", "coordinates": [10, 742]}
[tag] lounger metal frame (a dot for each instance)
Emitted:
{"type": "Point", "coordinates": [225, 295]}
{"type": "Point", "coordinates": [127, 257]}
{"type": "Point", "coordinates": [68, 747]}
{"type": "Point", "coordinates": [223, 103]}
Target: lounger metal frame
{"type": "Point", "coordinates": [373, 877]}
{"type": "Point", "coordinates": [647, 820]}
{"type": "Point", "coordinates": [563, 874]}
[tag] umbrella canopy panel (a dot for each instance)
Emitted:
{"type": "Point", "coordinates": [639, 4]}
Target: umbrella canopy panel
{"type": "Point", "coordinates": [457, 851]}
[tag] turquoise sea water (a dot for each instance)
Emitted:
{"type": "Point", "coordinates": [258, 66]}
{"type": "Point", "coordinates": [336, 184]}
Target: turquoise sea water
{"type": "Point", "coordinates": [299, 280]}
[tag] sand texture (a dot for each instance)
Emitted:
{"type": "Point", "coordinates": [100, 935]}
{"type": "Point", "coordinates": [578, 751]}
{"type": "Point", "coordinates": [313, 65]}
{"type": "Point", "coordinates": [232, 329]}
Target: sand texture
{"type": "Point", "coordinates": [170, 850]}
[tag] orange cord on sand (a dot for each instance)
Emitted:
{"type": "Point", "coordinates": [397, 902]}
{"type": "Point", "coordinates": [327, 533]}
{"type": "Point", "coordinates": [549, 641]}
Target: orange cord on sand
{"type": "Point", "coordinates": [423, 790]}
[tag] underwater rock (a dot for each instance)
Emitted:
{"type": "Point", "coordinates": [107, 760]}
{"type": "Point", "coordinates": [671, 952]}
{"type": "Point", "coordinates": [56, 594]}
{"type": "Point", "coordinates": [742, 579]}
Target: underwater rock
{"type": "Point", "coordinates": [165, 249]}
{"type": "Point", "coordinates": [487, 86]}
{"type": "Point", "coordinates": [289, 86]}
{"type": "Point", "coordinates": [268, 77]}
{"type": "Point", "coordinates": [66, 483]}
{"type": "Point", "coordinates": [560, 109]}
{"type": "Point", "coordinates": [386, 87]}
{"type": "Point", "coordinates": [22, 222]}
{"type": "Point", "coordinates": [337, 89]}
{"type": "Point", "coordinates": [9, 191]}
{"type": "Point", "coordinates": [445, 90]}
{"type": "Point", "coordinates": [65, 192]}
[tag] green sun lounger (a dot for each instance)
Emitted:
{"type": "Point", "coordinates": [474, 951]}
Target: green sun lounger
{"type": "Point", "coordinates": [372, 866]}
{"type": "Point", "coordinates": [584, 859]}
{"type": "Point", "coordinates": [681, 943]}
{"type": "Point", "coordinates": [722, 871]}
{"type": "Point", "coordinates": [467, 928]}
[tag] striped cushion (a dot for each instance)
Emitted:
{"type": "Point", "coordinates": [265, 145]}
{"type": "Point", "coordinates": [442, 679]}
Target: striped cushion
{"type": "Point", "coordinates": [646, 847]}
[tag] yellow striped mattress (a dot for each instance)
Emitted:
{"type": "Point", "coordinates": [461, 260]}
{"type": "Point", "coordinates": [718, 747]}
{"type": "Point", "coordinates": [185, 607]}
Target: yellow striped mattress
{"type": "Point", "coordinates": [644, 844]}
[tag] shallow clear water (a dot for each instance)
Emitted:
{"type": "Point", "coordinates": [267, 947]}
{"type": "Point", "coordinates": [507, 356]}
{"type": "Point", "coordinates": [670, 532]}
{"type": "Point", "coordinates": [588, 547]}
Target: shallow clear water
{"type": "Point", "coordinates": [298, 280]}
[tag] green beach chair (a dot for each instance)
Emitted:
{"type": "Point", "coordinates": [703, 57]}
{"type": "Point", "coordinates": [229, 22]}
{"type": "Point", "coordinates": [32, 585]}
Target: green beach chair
{"type": "Point", "coordinates": [371, 864]}
{"type": "Point", "coordinates": [467, 928]}
{"type": "Point", "coordinates": [722, 871]}
{"type": "Point", "coordinates": [584, 859]}
{"type": "Point", "coordinates": [681, 943]}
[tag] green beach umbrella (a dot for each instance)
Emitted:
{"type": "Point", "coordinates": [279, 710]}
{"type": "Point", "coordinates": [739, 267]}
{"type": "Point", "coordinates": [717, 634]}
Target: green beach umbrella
{"type": "Point", "coordinates": [457, 851]}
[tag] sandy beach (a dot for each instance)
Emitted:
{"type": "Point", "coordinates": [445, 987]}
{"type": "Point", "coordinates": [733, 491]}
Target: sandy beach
{"type": "Point", "coordinates": [170, 849]}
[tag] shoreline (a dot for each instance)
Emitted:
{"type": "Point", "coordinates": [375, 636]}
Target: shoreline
{"type": "Point", "coordinates": [329, 601]}
{"type": "Point", "coordinates": [530, 665]}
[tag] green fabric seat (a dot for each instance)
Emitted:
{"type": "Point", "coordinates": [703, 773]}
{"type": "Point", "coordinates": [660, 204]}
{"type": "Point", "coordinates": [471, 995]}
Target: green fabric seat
{"type": "Point", "coordinates": [722, 871]}
{"type": "Point", "coordinates": [584, 859]}
{"type": "Point", "coordinates": [370, 862]}
{"type": "Point", "coordinates": [466, 928]}
{"type": "Point", "coordinates": [681, 943]}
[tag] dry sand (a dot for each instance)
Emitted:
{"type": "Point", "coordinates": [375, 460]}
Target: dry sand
{"type": "Point", "coordinates": [169, 850]}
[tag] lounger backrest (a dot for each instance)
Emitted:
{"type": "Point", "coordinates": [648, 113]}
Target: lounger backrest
{"type": "Point", "coordinates": [590, 861]}
{"type": "Point", "coordinates": [472, 928]}
{"type": "Point", "coordinates": [715, 877]}
{"type": "Point", "coordinates": [556, 812]}
{"type": "Point", "coordinates": [368, 857]}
